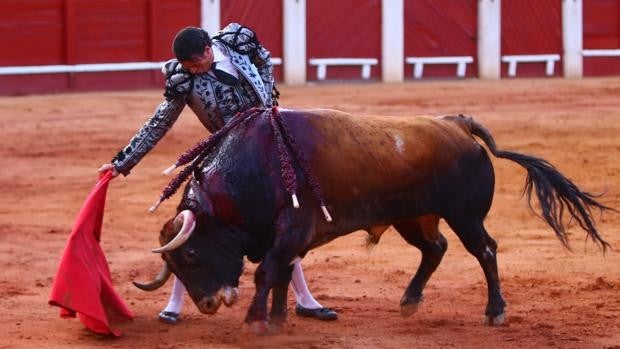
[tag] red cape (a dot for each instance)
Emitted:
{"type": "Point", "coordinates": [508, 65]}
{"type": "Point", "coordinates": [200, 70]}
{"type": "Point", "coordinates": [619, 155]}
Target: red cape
{"type": "Point", "coordinates": [83, 284]}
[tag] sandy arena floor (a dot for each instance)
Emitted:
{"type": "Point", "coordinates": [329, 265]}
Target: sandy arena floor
{"type": "Point", "coordinates": [52, 145]}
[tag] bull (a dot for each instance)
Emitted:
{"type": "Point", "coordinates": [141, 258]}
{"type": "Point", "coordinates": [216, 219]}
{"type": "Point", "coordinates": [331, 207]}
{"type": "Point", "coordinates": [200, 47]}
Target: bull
{"type": "Point", "coordinates": [375, 172]}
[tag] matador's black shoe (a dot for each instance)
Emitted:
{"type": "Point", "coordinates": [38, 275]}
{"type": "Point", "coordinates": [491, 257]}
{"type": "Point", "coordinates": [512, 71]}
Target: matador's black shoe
{"type": "Point", "coordinates": [325, 314]}
{"type": "Point", "coordinates": [169, 317]}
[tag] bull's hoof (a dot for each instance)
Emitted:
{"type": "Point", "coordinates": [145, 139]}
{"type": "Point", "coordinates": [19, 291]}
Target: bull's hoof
{"type": "Point", "coordinates": [406, 310]}
{"type": "Point", "coordinates": [498, 320]}
{"type": "Point", "coordinates": [409, 306]}
{"type": "Point", "coordinates": [259, 328]}
{"type": "Point", "coordinates": [276, 327]}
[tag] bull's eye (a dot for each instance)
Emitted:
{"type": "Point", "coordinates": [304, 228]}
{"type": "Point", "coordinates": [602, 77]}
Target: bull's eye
{"type": "Point", "coordinates": [191, 256]}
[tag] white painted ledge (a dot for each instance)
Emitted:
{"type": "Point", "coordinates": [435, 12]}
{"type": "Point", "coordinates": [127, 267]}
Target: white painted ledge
{"type": "Point", "coordinates": [549, 60]}
{"type": "Point", "coordinates": [80, 68]}
{"type": "Point", "coordinates": [419, 62]}
{"type": "Point", "coordinates": [322, 63]}
{"type": "Point", "coordinates": [91, 68]}
{"type": "Point", "coordinates": [601, 53]}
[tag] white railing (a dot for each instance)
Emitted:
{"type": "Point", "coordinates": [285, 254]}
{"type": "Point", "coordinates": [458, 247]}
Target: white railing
{"type": "Point", "coordinates": [322, 63]}
{"type": "Point", "coordinates": [549, 60]}
{"type": "Point", "coordinates": [90, 68]}
{"type": "Point", "coordinates": [601, 53]}
{"type": "Point", "coordinates": [419, 62]}
{"type": "Point", "coordinates": [80, 68]}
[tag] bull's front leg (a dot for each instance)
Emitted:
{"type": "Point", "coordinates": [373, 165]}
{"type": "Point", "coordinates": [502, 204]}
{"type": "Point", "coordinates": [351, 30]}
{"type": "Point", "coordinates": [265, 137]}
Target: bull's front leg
{"type": "Point", "coordinates": [274, 273]}
{"type": "Point", "coordinates": [277, 315]}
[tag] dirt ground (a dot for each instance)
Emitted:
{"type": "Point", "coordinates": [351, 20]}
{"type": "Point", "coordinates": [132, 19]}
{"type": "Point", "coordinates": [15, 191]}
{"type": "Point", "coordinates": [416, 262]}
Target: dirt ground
{"type": "Point", "coordinates": [51, 146]}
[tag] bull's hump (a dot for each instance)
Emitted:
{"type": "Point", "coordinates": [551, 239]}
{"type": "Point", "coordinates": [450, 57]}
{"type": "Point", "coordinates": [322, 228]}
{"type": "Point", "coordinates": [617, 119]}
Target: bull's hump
{"type": "Point", "coordinates": [378, 130]}
{"type": "Point", "coordinates": [393, 136]}
{"type": "Point", "coordinates": [319, 116]}
{"type": "Point", "coordinates": [358, 153]}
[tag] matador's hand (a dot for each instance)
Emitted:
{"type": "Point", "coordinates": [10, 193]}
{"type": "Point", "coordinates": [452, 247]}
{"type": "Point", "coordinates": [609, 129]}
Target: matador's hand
{"type": "Point", "coordinates": [106, 167]}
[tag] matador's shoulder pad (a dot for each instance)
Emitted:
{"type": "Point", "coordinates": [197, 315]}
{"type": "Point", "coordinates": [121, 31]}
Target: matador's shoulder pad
{"type": "Point", "coordinates": [171, 67]}
{"type": "Point", "coordinates": [239, 38]}
{"type": "Point", "coordinates": [178, 80]}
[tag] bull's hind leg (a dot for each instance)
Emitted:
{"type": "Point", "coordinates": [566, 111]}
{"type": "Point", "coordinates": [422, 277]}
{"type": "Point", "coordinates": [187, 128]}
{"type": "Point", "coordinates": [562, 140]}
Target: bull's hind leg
{"type": "Point", "coordinates": [479, 243]}
{"type": "Point", "coordinates": [423, 234]}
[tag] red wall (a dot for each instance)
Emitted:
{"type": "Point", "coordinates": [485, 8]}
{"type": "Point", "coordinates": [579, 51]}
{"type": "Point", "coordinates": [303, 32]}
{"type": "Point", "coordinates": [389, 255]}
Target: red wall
{"type": "Point", "coordinates": [343, 29]}
{"type": "Point", "coordinates": [601, 30]}
{"type": "Point", "coordinates": [32, 32]}
{"type": "Point", "coordinates": [531, 27]}
{"type": "Point", "coordinates": [48, 32]}
{"type": "Point", "coordinates": [264, 17]}
{"type": "Point", "coordinates": [441, 28]}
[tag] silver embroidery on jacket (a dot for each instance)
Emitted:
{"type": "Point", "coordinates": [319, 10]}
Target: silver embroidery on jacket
{"type": "Point", "coordinates": [213, 102]}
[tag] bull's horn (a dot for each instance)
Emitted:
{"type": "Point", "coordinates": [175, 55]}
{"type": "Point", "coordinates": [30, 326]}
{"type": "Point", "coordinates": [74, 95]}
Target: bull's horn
{"type": "Point", "coordinates": [159, 281]}
{"type": "Point", "coordinates": [189, 223]}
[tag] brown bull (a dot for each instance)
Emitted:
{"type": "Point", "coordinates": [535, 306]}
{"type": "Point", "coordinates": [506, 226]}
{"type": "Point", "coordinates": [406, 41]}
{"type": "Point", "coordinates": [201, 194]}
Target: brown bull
{"type": "Point", "coordinates": [371, 172]}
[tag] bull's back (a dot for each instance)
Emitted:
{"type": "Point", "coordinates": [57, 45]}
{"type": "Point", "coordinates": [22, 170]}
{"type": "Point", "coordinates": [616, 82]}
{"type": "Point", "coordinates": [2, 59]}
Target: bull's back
{"type": "Point", "coordinates": [365, 158]}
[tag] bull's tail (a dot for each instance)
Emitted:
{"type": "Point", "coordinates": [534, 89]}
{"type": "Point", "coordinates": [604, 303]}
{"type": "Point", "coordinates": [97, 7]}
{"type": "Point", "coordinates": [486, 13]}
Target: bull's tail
{"type": "Point", "coordinates": [554, 191]}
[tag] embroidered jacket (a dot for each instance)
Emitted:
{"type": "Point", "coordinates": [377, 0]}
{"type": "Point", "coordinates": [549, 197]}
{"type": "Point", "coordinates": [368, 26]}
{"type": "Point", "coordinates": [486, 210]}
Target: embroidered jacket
{"type": "Point", "coordinates": [213, 101]}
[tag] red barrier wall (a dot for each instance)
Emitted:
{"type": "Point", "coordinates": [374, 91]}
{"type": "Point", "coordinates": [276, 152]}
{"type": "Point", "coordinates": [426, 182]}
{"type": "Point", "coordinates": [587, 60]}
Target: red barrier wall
{"type": "Point", "coordinates": [264, 17]}
{"type": "Point", "coordinates": [441, 28]}
{"type": "Point", "coordinates": [49, 32]}
{"type": "Point", "coordinates": [531, 27]}
{"type": "Point", "coordinates": [343, 29]}
{"type": "Point", "coordinates": [601, 30]}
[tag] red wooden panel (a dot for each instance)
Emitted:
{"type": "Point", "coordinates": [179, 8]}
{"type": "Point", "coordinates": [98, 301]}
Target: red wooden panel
{"type": "Point", "coordinates": [172, 17]}
{"type": "Point", "coordinates": [43, 32]}
{"type": "Point", "coordinates": [57, 83]}
{"type": "Point", "coordinates": [70, 32]}
{"type": "Point", "coordinates": [531, 27]}
{"type": "Point", "coordinates": [601, 66]}
{"type": "Point", "coordinates": [111, 31]}
{"type": "Point", "coordinates": [264, 17]}
{"type": "Point", "coordinates": [601, 30]}
{"type": "Point", "coordinates": [601, 24]}
{"type": "Point", "coordinates": [344, 28]}
{"type": "Point", "coordinates": [113, 80]}
{"type": "Point", "coordinates": [31, 32]}
{"type": "Point", "coordinates": [13, 85]}
{"type": "Point", "coordinates": [441, 28]}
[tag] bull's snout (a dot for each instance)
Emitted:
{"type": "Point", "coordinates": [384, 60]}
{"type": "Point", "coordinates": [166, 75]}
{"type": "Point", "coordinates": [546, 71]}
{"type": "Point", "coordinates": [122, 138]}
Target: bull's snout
{"type": "Point", "coordinates": [209, 305]}
{"type": "Point", "coordinates": [228, 295]}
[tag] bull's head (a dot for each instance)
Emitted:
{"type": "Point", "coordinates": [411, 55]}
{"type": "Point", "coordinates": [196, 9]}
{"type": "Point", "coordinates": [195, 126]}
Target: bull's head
{"type": "Point", "coordinates": [205, 256]}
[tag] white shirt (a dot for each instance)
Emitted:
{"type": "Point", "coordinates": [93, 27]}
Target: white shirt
{"type": "Point", "coordinates": [223, 62]}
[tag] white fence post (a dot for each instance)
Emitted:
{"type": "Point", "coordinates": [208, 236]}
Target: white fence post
{"type": "Point", "coordinates": [489, 39]}
{"type": "Point", "coordinates": [572, 37]}
{"type": "Point", "coordinates": [294, 41]}
{"type": "Point", "coordinates": [210, 15]}
{"type": "Point", "coordinates": [392, 40]}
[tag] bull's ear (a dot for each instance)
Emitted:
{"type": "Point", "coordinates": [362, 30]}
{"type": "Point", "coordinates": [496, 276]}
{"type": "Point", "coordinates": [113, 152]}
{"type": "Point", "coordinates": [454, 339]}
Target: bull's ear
{"type": "Point", "coordinates": [206, 208]}
{"type": "Point", "coordinates": [187, 220]}
{"type": "Point", "coordinates": [168, 232]}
